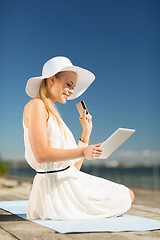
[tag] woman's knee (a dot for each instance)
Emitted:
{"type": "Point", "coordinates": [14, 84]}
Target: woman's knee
{"type": "Point", "coordinates": [131, 195]}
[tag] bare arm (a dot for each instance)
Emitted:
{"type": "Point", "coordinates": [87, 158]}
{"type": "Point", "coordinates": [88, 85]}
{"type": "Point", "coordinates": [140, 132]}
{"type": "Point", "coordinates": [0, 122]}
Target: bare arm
{"type": "Point", "coordinates": [85, 138]}
{"type": "Point", "coordinates": [56, 155]}
{"type": "Point", "coordinates": [37, 131]}
{"type": "Point", "coordinates": [38, 137]}
{"type": "Point", "coordinates": [86, 123]}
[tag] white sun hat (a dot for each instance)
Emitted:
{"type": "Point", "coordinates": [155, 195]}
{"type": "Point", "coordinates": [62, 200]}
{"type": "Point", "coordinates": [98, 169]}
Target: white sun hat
{"type": "Point", "coordinates": [59, 64]}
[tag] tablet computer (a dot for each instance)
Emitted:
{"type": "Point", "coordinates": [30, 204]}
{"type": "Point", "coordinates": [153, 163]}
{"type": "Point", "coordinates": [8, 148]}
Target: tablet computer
{"type": "Point", "coordinates": [114, 141]}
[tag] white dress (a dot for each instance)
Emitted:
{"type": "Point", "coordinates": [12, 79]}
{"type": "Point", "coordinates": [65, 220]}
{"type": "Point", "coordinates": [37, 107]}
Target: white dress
{"type": "Point", "coordinates": [70, 194]}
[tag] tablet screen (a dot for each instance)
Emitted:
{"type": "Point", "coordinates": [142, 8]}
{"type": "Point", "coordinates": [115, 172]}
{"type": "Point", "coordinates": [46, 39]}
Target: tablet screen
{"type": "Point", "coordinates": [115, 140]}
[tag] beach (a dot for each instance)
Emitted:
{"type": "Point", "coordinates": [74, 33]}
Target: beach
{"type": "Point", "coordinates": [146, 204]}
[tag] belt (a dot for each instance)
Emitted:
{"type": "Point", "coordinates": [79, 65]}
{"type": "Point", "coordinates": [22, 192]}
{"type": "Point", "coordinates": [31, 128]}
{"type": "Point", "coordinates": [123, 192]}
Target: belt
{"type": "Point", "coordinates": [54, 170]}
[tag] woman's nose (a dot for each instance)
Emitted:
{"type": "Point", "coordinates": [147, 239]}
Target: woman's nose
{"type": "Point", "coordinates": [71, 91]}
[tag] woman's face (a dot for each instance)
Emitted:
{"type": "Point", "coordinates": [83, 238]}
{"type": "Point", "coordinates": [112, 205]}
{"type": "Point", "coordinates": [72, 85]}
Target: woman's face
{"type": "Point", "coordinates": [63, 86]}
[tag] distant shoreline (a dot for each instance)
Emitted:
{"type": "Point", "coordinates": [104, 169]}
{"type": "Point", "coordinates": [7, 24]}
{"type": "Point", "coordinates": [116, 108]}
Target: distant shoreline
{"type": "Point", "coordinates": [140, 176]}
{"type": "Point", "coordinates": [108, 163]}
{"type": "Point", "coordinates": [126, 173]}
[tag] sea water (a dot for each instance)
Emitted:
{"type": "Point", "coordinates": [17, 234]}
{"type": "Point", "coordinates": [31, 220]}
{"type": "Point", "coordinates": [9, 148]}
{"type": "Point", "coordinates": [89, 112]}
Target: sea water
{"type": "Point", "coordinates": [140, 176]}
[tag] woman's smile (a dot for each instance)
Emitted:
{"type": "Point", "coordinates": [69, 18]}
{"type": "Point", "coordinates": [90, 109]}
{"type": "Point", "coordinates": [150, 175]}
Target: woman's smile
{"type": "Point", "coordinates": [66, 95]}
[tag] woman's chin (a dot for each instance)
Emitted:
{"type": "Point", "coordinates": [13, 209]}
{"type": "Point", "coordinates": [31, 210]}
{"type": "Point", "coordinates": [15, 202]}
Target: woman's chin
{"type": "Point", "coordinates": [63, 100]}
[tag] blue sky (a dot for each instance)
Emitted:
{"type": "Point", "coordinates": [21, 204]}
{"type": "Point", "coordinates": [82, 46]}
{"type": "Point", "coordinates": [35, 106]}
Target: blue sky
{"type": "Point", "coordinates": [118, 40]}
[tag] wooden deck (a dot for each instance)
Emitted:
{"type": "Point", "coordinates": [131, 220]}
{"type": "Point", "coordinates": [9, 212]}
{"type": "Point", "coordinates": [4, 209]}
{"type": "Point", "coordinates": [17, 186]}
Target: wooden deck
{"type": "Point", "coordinates": [146, 204]}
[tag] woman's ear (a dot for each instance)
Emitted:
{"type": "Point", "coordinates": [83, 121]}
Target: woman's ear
{"type": "Point", "coordinates": [51, 80]}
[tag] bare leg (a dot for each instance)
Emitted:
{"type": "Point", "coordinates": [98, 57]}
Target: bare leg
{"type": "Point", "coordinates": [132, 197]}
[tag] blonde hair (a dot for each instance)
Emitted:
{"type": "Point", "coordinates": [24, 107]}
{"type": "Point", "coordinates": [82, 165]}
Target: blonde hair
{"type": "Point", "coordinates": [50, 106]}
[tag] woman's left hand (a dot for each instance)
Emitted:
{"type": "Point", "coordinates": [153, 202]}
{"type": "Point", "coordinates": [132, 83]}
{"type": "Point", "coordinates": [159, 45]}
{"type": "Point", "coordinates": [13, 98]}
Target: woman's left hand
{"type": "Point", "coordinates": [86, 122]}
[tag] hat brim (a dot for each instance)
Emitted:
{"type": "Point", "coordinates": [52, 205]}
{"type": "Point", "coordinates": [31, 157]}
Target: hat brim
{"type": "Point", "coordinates": [33, 86]}
{"type": "Point", "coordinates": [84, 80]}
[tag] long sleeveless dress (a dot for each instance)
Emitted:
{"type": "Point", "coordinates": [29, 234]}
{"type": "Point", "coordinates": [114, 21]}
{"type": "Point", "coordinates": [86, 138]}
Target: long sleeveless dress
{"type": "Point", "coordinates": [70, 194]}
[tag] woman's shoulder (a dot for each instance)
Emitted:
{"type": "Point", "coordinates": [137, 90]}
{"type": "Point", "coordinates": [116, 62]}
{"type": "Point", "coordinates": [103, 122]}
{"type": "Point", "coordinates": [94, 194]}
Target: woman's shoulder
{"type": "Point", "coordinates": [35, 102]}
{"type": "Point", "coordinates": [31, 105]}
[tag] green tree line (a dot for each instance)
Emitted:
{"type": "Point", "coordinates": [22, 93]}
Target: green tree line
{"type": "Point", "coordinates": [3, 167]}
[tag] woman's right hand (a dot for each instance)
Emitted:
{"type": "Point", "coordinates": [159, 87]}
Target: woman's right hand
{"type": "Point", "coordinates": [93, 151]}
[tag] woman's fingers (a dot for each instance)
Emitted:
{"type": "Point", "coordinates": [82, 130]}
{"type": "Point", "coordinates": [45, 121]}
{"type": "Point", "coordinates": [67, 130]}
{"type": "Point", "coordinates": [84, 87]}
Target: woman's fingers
{"type": "Point", "coordinates": [99, 148]}
{"type": "Point", "coordinates": [97, 151]}
{"type": "Point", "coordinates": [96, 155]}
{"type": "Point", "coordinates": [89, 117]}
{"type": "Point", "coordinates": [86, 116]}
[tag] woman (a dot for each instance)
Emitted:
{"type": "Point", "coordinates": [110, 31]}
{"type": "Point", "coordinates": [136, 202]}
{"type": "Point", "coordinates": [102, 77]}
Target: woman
{"type": "Point", "coordinates": [60, 191]}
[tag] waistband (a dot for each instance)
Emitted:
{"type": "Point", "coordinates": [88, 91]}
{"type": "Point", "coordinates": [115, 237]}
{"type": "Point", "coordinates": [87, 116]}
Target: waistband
{"type": "Point", "coordinates": [54, 170]}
